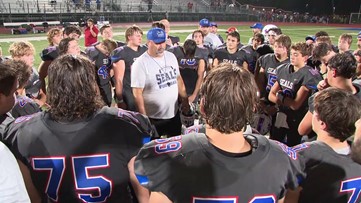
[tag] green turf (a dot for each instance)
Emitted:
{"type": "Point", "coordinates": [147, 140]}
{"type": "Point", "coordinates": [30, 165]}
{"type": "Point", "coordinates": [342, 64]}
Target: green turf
{"type": "Point", "coordinates": [297, 34]}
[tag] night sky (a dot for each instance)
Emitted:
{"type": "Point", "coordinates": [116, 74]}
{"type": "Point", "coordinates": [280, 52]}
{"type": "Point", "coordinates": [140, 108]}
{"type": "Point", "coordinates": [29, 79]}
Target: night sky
{"type": "Point", "coordinates": [318, 7]}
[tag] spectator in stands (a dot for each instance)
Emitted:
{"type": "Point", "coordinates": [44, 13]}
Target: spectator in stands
{"type": "Point", "coordinates": [98, 2]}
{"type": "Point", "coordinates": [12, 187]}
{"type": "Point", "coordinates": [90, 33]}
{"type": "Point", "coordinates": [344, 43]}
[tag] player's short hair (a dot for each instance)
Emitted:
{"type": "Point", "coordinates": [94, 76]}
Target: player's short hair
{"type": "Point", "coordinates": [322, 50]}
{"type": "Point", "coordinates": [131, 30]}
{"type": "Point", "coordinates": [52, 33]}
{"type": "Point", "coordinates": [277, 30]}
{"type": "Point", "coordinates": [198, 31]}
{"type": "Point", "coordinates": [72, 91]}
{"type": "Point", "coordinates": [229, 97]}
{"type": "Point", "coordinates": [104, 27]}
{"type": "Point", "coordinates": [321, 33]}
{"type": "Point", "coordinates": [71, 29]}
{"type": "Point", "coordinates": [284, 40]}
{"type": "Point", "coordinates": [234, 34]}
{"type": "Point", "coordinates": [259, 37]}
{"type": "Point", "coordinates": [346, 37]}
{"type": "Point", "coordinates": [340, 110]}
{"type": "Point", "coordinates": [23, 71]}
{"type": "Point", "coordinates": [165, 22]}
{"type": "Point", "coordinates": [22, 48]}
{"type": "Point", "coordinates": [158, 24]}
{"type": "Point", "coordinates": [64, 45]}
{"type": "Point", "coordinates": [324, 39]}
{"type": "Point", "coordinates": [190, 47]}
{"type": "Point", "coordinates": [8, 77]}
{"type": "Point", "coordinates": [345, 65]}
{"type": "Point", "coordinates": [110, 45]}
{"type": "Point", "coordinates": [304, 48]}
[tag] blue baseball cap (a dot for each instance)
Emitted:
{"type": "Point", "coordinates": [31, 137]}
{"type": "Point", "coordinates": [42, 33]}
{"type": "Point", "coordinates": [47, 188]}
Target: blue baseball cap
{"type": "Point", "coordinates": [204, 22]}
{"type": "Point", "coordinates": [157, 35]}
{"type": "Point", "coordinates": [310, 37]}
{"type": "Point", "coordinates": [211, 24]}
{"type": "Point", "coordinates": [257, 26]}
{"type": "Point", "coordinates": [359, 35]}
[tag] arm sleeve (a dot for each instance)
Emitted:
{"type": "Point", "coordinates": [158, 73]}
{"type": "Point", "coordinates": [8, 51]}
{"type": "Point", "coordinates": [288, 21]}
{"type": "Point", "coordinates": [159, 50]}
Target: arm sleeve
{"type": "Point", "coordinates": [312, 78]}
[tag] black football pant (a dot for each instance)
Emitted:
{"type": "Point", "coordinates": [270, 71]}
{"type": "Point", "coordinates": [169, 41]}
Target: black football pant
{"type": "Point", "coordinates": [168, 127]}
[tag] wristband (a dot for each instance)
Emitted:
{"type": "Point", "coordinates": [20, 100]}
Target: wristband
{"type": "Point", "coordinates": [281, 97]}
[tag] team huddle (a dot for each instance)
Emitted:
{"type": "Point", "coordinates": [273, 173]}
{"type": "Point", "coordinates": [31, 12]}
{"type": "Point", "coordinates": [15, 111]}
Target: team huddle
{"type": "Point", "coordinates": [204, 121]}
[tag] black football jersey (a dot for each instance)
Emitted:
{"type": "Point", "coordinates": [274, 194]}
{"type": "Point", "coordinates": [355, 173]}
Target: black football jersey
{"type": "Point", "coordinates": [189, 168]}
{"type": "Point", "coordinates": [5, 120]}
{"type": "Point", "coordinates": [224, 56]}
{"type": "Point", "coordinates": [188, 68]}
{"type": "Point", "coordinates": [50, 53]}
{"type": "Point", "coordinates": [251, 56]}
{"type": "Point", "coordinates": [203, 53]}
{"type": "Point", "coordinates": [264, 49]}
{"type": "Point", "coordinates": [270, 63]}
{"type": "Point", "coordinates": [102, 68]}
{"type": "Point", "coordinates": [329, 176]}
{"type": "Point", "coordinates": [291, 81]}
{"type": "Point", "coordinates": [82, 161]}
{"type": "Point", "coordinates": [129, 56]}
{"type": "Point", "coordinates": [24, 106]}
{"type": "Point", "coordinates": [102, 63]}
{"type": "Point", "coordinates": [32, 88]}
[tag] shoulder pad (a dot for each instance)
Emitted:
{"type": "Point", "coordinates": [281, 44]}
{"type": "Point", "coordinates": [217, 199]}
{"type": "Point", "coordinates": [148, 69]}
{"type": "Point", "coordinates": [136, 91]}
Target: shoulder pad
{"type": "Point", "coordinates": [50, 53]}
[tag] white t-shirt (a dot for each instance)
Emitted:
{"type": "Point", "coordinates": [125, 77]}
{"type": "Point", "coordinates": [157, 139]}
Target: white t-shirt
{"type": "Point", "coordinates": [12, 187]}
{"type": "Point", "coordinates": [158, 78]}
{"type": "Point", "coordinates": [211, 40]}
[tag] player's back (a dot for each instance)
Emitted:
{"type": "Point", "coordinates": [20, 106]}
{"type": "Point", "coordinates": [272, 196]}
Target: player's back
{"type": "Point", "coordinates": [82, 161]}
{"type": "Point", "coordinates": [331, 177]}
{"type": "Point", "coordinates": [189, 168]}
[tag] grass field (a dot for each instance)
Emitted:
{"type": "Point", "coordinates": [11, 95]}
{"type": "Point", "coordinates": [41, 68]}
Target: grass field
{"type": "Point", "coordinates": [297, 34]}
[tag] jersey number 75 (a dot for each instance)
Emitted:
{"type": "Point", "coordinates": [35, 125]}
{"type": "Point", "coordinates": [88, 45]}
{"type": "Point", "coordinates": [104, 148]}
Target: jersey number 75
{"type": "Point", "coordinates": [80, 167]}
